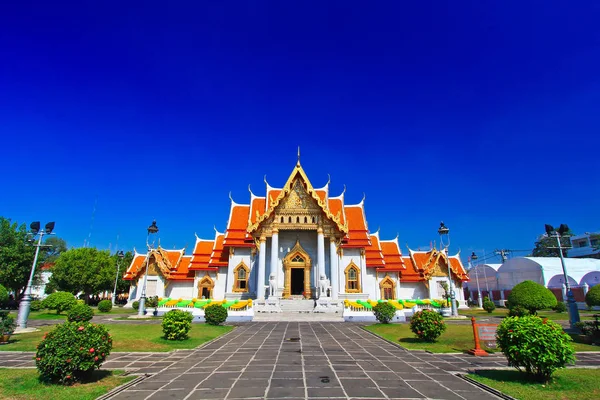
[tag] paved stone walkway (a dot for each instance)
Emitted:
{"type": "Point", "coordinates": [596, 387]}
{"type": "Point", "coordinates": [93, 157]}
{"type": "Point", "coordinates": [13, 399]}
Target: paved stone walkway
{"type": "Point", "coordinates": [330, 360]}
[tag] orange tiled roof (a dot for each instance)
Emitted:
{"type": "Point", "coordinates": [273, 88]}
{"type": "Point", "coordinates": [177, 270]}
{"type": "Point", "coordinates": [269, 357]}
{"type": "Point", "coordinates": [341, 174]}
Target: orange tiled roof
{"type": "Point", "coordinates": [322, 194]}
{"type": "Point", "coordinates": [358, 234]}
{"type": "Point", "coordinates": [373, 255]}
{"type": "Point", "coordinates": [236, 234]}
{"type": "Point", "coordinates": [181, 272]}
{"type": "Point", "coordinates": [410, 274]}
{"type": "Point", "coordinates": [337, 206]}
{"type": "Point", "coordinates": [392, 256]}
{"type": "Point", "coordinates": [201, 255]}
{"type": "Point", "coordinates": [173, 265]}
{"type": "Point", "coordinates": [258, 208]}
{"type": "Point", "coordinates": [425, 262]}
{"type": "Point", "coordinates": [219, 256]}
{"type": "Point", "coordinates": [135, 267]}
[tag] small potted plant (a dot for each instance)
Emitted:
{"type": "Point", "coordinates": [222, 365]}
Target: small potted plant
{"type": "Point", "coordinates": [7, 327]}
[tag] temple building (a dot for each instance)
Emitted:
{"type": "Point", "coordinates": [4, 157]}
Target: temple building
{"type": "Point", "coordinates": [296, 242]}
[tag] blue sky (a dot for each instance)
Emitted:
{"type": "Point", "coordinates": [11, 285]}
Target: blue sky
{"type": "Point", "coordinates": [481, 114]}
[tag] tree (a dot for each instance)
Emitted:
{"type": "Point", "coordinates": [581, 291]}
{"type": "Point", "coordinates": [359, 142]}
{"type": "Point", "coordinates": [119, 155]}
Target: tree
{"type": "Point", "coordinates": [16, 256]}
{"type": "Point", "coordinates": [546, 246]}
{"type": "Point", "coordinates": [53, 247]}
{"type": "Point", "coordinates": [85, 269]}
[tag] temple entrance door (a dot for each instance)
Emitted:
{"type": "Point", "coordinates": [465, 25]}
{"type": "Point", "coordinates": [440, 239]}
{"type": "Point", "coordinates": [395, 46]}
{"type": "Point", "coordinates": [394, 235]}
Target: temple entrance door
{"type": "Point", "coordinates": [297, 265]}
{"type": "Point", "coordinates": [297, 286]}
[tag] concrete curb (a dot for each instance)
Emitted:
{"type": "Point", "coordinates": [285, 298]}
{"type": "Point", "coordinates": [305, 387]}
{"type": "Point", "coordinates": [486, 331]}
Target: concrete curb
{"type": "Point", "coordinates": [124, 386]}
{"type": "Point", "coordinates": [485, 387]}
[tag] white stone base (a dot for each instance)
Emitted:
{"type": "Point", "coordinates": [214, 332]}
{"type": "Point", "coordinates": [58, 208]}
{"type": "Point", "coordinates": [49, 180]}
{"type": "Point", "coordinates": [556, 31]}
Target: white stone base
{"type": "Point", "coordinates": [198, 313]}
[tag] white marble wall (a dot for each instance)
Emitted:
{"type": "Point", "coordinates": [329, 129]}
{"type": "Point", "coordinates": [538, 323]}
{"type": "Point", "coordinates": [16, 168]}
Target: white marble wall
{"type": "Point", "coordinates": [180, 290]}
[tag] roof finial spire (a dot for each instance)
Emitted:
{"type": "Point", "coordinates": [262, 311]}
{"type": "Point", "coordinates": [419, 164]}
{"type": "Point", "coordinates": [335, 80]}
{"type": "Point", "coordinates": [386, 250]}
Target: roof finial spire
{"type": "Point", "coordinates": [298, 156]}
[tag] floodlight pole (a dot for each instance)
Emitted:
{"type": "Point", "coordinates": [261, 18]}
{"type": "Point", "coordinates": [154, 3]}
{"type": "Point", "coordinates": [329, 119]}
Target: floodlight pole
{"type": "Point", "coordinates": [573, 309]}
{"type": "Point", "coordinates": [25, 304]}
{"type": "Point", "coordinates": [120, 256]}
{"type": "Point", "coordinates": [479, 299]}
{"type": "Point", "coordinates": [443, 230]}
{"type": "Point", "coordinates": [142, 307]}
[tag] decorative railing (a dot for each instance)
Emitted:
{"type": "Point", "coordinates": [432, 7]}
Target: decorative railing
{"type": "Point", "coordinates": [367, 305]}
{"type": "Point", "coordinates": [232, 305]}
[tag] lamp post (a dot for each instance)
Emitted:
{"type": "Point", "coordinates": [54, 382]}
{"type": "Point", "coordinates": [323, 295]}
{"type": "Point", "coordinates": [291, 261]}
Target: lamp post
{"type": "Point", "coordinates": [120, 256]}
{"type": "Point", "coordinates": [152, 229]}
{"type": "Point", "coordinates": [444, 231]}
{"type": "Point", "coordinates": [573, 310]}
{"type": "Point", "coordinates": [25, 305]}
{"type": "Point", "coordinates": [479, 299]}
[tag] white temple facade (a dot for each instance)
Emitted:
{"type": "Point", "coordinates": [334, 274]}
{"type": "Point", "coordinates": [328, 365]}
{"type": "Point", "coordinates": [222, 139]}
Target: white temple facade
{"type": "Point", "coordinates": [296, 242]}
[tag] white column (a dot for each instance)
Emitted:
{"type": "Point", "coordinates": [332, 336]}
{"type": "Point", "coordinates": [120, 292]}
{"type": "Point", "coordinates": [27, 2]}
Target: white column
{"type": "Point", "coordinates": [262, 254]}
{"type": "Point", "coordinates": [320, 256]}
{"type": "Point", "coordinates": [275, 258]}
{"type": "Point", "coordinates": [333, 268]}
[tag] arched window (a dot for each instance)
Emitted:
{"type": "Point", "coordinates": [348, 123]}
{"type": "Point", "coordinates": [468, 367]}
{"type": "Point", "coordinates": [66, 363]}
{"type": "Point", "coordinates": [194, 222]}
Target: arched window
{"type": "Point", "coordinates": [305, 220]}
{"type": "Point", "coordinates": [205, 287]}
{"type": "Point", "coordinates": [240, 278]}
{"type": "Point", "coordinates": [388, 288]}
{"type": "Point", "coordinates": [352, 278]}
{"type": "Point", "coordinates": [282, 220]}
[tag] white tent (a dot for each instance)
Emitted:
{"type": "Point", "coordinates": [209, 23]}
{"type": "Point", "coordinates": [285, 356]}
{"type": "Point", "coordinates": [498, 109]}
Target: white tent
{"type": "Point", "coordinates": [485, 276]}
{"type": "Point", "coordinates": [548, 271]}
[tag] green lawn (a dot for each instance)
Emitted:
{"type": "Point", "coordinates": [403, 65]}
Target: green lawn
{"type": "Point", "coordinates": [456, 339]}
{"type": "Point", "coordinates": [22, 384]}
{"type": "Point", "coordinates": [129, 337]}
{"type": "Point", "coordinates": [115, 310]}
{"type": "Point", "coordinates": [503, 312]}
{"type": "Point", "coordinates": [580, 384]}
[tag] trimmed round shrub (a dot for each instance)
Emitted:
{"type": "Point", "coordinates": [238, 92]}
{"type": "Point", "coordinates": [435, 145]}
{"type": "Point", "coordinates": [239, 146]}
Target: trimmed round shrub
{"type": "Point", "coordinates": [428, 325]}
{"type": "Point", "coordinates": [538, 347]}
{"type": "Point", "coordinates": [59, 301]}
{"type": "Point", "coordinates": [135, 305]}
{"type": "Point", "coordinates": [80, 313]}
{"type": "Point", "coordinates": [71, 351]}
{"type": "Point", "coordinates": [36, 305]}
{"type": "Point", "coordinates": [532, 296]}
{"type": "Point", "coordinates": [560, 307]}
{"type": "Point", "coordinates": [517, 311]}
{"type": "Point", "coordinates": [215, 314]}
{"type": "Point", "coordinates": [105, 306]}
{"type": "Point", "coordinates": [3, 295]}
{"type": "Point", "coordinates": [592, 298]}
{"type": "Point", "coordinates": [488, 305]}
{"type": "Point", "coordinates": [176, 324]}
{"type": "Point", "coordinates": [384, 312]}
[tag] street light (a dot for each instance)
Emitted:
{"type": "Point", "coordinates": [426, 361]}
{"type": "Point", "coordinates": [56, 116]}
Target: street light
{"type": "Point", "coordinates": [120, 256]}
{"type": "Point", "coordinates": [573, 310]}
{"type": "Point", "coordinates": [444, 231]}
{"type": "Point", "coordinates": [25, 305]}
{"type": "Point", "coordinates": [152, 229]}
{"type": "Point", "coordinates": [479, 299]}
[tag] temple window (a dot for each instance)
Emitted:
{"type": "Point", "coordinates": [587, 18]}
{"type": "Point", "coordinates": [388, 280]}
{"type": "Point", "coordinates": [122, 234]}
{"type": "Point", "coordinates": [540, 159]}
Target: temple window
{"type": "Point", "coordinates": [282, 220]}
{"type": "Point", "coordinates": [205, 287]}
{"type": "Point", "coordinates": [298, 258]}
{"type": "Point", "coordinates": [290, 220]}
{"type": "Point", "coordinates": [388, 288]}
{"type": "Point", "coordinates": [297, 220]}
{"type": "Point", "coordinates": [240, 278]}
{"type": "Point", "coordinates": [352, 278]}
{"type": "Point", "coordinates": [305, 220]}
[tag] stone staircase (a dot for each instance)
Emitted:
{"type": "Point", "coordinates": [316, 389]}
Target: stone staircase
{"type": "Point", "coordinates": [297, 310]}
{"type": "Point", "coordinates": [296, 306]}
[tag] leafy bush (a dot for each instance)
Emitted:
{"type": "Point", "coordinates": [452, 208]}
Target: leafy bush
{"type": "Point", "coordinates": [488, 305]}
{"type": "Point", "coordinates": [80, 313]}
{"type": "Point", "coordinates": [517, 311]}
{"type": "Point", "coordinates": [428, 325]}
{"type": "Point", "coordinates": [176, 324]}
{"type": "Point", "coordinates": [3, 295]}
{"type": "Point", "coordinates": [532, 296]}
{"type": "Point", "coordinates": [539, 347]}
{"type": "Point", "coordinates": [72, 351]}
{"type": "Point", "coordinates": [36, 305]}
{"type": "Point", "coordinates": [59, 301]}
{"type": "Point", "coordinates": [135, 305]}
{"type": "Point", "coordinates": [152, 302]}
{"type": "Point", "coordinates": [592, 298]}
{"type": "Point", "coordinates": [105, 306]}
{"type": "Point", "coordinates": [384, 312]}
{"type": "Point", "coordinates": [591, 329]}
{"type": "Point", "coordinates": [215, 314]}
{"type": "Point", "coordinates": [560, 307]}
{"type": "Point", "coordinates": [7, 324]}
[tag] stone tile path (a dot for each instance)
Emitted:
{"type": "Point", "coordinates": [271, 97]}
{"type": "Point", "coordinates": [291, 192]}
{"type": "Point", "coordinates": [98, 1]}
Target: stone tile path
{"type": "Point", "coordinates": [266, 360]}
